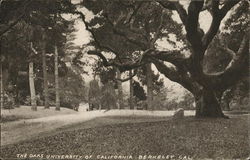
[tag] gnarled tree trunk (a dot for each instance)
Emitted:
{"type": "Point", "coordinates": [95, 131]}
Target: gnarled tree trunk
{"type": "Point", "coordinates": [207, 105]}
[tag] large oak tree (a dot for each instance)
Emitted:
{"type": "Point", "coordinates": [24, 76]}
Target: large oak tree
{"type": "Point", "coordinates": [133, 28]}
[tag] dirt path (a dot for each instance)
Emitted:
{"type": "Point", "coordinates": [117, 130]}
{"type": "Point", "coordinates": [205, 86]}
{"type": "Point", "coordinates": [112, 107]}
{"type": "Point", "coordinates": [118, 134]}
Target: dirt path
{"type": "Point", "coordinates": [21, 130]}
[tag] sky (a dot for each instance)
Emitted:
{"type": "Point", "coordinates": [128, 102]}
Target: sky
{"type": "Point", "coordinates": [83, 37]}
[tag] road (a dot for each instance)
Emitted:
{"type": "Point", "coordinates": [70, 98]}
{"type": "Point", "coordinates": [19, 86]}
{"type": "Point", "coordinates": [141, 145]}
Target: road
{"type": "Point", "coordinates": [21, 130]}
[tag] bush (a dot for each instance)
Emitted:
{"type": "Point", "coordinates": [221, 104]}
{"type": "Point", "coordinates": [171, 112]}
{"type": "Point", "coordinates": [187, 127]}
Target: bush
{"type": "Point", "coordinates": [8, 102]}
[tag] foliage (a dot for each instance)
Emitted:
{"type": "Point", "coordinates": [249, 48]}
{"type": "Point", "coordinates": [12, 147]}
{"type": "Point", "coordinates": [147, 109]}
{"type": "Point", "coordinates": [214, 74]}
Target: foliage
{"type": "Point", "coordinates": [187, 103]}
{"type": "Point", "coordinates": [237, 97]}
{"type": "Point", "coordinates": [8, 102]}
{"type": "Point", "coordinates": [158, 82]}
{"type": "Point", "coordinates": [72, 90]}
{"type": "Point", "coordinates": [139, 91]}
{"type": "Point", "coordinates": [106, 74]}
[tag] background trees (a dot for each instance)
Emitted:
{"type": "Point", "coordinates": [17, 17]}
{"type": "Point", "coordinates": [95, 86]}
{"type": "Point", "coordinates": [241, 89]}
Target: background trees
{"type": "Point", "coordinates": [45, 26]}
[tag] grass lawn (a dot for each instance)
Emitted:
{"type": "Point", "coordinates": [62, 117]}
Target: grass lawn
{"type": "Point", "coordinates": [196, 138]}
{"type": "Point", "coordinates": [25, 112]}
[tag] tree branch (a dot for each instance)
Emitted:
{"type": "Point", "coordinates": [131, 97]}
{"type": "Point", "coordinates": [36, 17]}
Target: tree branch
{"type": "Point", "coordinates": [33, 49]}
{"type": "Point", "coordinates": [167, 4]}
{"type": "Point", "coordinates": [26, 3]}
{"type": "Point", "coordinates": [173, 57]}
{"type": "Point", "coordinates": [101, 46]}
{"type": "Point", "coordinates": [129, 77]}
{"type": "Point", "coordinates": [128, 20]}
{"type": "Point", "coordinates": [240, 57]}
{"type": "Point", "coordinates": [192, 24]}
{"type": "Point", "coordinates": [194, 37]}
{"type": "Point", "coordinates": [227, 6]}
{"type": "Point", "coordinates": [218, 15]}
{"type": "Point", "coordinates": [122, 66]}
{"type": "Point", "coordinates": [178, 76]}
{"type": "Point", "coordinates": [237, 68]}
{"type": "Point", "coordinates": [158, 31]}
{"type": "Point", "coordinates": [182, 12]}
{"type": "Point", "coordinates": [172, 5]}
{"type": "Point", "coordinates": [125, 35]}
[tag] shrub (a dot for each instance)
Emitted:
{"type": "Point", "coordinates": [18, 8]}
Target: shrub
{"type": "Point", "coordinates": [8, 102]}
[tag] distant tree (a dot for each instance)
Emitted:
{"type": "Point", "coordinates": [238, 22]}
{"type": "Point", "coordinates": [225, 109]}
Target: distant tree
{"type": "Point", "coordinates": [153, 82]}
{"type": "Point", "coordinates": [94, 96]}
{"type": "Point", "coordinates": [139, 92]}
{"type": "Point", "coordinates": [57, 80]}
{"type": "Point", "coordinates": [139, 95]}
{"type": "Point", "coordinates": [108, 96]}
{"type": "Point", "coordinates": [1, 75]}
{"type": "Point", "coordinates": [45, 73]}
{"type": "Point", "coordinates": [31, 81]}
{"type": "Point", "coordinates": [119, 88]}
{"type": "Point", "coordinates": [131, 91]}
{"type": "Point", "coordinates": [149, 86]}
{"type": "Point", "coordinates": [72, 90]}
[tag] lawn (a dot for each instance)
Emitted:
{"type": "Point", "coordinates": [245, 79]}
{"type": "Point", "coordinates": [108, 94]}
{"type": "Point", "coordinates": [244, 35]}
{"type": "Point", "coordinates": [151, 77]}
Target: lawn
{"type": "Point", "coordinates": [25, 112]}
{"type": "Point", "coordinates": [196, 138]}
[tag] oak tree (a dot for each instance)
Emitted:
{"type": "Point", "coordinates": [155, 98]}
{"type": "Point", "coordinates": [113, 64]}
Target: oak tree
{"type": "Point", "coordinates": [133, 27]}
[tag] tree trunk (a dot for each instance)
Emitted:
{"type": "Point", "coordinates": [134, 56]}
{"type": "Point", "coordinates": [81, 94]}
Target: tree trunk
{"type": "Point", "coordinates": [227, 106]}
{"type": "Point", "coordinates": [45, 78]}
{"type": "Point", "coordinates": [57, 80]}
{"type": "Point", "coordinates": [32, 86]}
{"type": "Point", "coordinates": [149, 87]}
{"type": "Point", "coordinates": [207, 105]}
{"type": "Point", "coordinates": [131, 99]}
{"type": "Point", "coordinates": [1, 84]}
{"type": "Point", "coordinates": [119, 86]}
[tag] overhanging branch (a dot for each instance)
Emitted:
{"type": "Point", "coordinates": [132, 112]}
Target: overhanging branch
{"type": "Point", "coordinates": [122, 66]}
{"type": "Point", "coordinates": [178, 76]}
{"type": "Point", "coordinates": [174, 57]}
{"type": "Point", "coordinates": [129, 77]}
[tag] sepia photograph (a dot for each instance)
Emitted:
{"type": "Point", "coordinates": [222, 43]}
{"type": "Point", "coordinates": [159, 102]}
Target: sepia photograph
{"type": "Point", "coordinates": [124, 79]}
